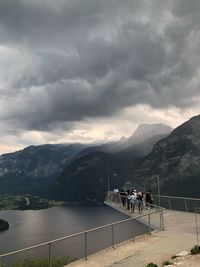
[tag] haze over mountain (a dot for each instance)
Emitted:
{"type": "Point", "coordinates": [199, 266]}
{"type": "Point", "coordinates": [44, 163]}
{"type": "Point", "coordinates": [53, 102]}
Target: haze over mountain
{"type": "Point", "coordinates": [35, 168]}
{"type": "Point", "coordinates": [145, 132]}
{"type": "Point", "coordinates": [89, 171]}
{"type": "Point", "coordinates": [60, 171]}
{"type": "Point", "coordinates": [174, 158]}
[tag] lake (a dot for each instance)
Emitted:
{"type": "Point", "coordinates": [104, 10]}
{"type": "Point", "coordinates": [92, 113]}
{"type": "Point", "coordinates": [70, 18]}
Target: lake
{"type": "Point", "coordinates": [32, 227]}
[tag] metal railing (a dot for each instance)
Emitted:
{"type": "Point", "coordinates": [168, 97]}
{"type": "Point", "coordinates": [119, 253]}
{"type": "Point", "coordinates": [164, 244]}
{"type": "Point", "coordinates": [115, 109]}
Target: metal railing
{"type": "Point", "coordinates": [197, 214]}
{"type": "Point", "coordinates": [177, 203]}
{"type": "Point", "coordinates": [84, 243]}
{"type": "Point", "coordinates": [136, 207]}
{"type": "Point", "coordinates": [123, 201]}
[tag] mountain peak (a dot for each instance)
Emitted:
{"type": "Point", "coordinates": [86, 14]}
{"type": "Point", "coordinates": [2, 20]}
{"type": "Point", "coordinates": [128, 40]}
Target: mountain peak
{"type": "Point", "coordinates": [145, 131]}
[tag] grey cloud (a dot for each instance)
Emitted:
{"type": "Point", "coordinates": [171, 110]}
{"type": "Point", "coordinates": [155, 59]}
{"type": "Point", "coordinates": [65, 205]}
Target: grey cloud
{"type": "Point", "coordinates": [81, 59]}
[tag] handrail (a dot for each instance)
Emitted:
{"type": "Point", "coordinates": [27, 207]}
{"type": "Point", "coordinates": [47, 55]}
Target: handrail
{"type": "Point", "coordinates": [110, 193]}
{"type": "Point", "coordinates": [186, 204]}
{"type": "Point", "coordinates": [77, 234]}
{"type": "Point", "coordinates": [119, 197]}
{"type": "Point", "coordinates": [188, 198]}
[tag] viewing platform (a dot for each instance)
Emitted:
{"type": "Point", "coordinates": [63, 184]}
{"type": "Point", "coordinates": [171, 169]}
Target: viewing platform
{"type": "Point", "coordinates": [151, 233]}
{"type": "Point", "coordinates": [180, 234]}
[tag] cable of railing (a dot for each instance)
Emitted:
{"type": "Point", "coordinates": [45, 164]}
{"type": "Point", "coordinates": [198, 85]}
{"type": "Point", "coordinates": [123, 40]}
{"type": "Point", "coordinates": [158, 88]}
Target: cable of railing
{"type": "Point", "coordinates": [187, 198]}
{"type": "Point", "coordinates": [186, 204]}
{"type": "Point", "coordinates": [77, 234]}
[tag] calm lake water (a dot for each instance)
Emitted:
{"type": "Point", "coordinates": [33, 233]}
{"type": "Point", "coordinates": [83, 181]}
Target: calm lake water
{"type": "Point", "coordinates": [30, 227]}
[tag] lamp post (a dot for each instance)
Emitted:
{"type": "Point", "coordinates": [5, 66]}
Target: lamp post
{"type": "Point", "coordinates": [108, 175]}
{"type": "Point", "coordinates": [158, 184]}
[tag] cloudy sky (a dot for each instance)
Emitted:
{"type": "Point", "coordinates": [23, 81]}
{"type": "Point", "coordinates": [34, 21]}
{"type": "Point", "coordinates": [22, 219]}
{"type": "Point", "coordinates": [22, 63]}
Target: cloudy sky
{"type": "Point", "coordinates": [88, 70]}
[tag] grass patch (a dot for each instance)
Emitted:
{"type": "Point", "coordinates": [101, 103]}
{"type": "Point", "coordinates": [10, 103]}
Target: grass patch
{"type": "Point", "coordinates": [42, 262]}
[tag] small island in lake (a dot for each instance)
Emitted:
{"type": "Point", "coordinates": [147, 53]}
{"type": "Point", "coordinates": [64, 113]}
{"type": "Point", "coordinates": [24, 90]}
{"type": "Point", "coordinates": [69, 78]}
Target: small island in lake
{"type": "Point", "coordinates": [4, 225]}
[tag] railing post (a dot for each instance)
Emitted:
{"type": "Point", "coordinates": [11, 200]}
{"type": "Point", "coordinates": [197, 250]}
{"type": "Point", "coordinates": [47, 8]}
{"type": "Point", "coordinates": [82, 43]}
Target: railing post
{"type": "Point", "coordinates": [162, 218]}
{"type": "Point", "coordinates": [132, 230]}
{"type": "Point", "coordinates": [197, 227]}
{"type": "Point", "coordinates": [120, 201]}
{"type": "Point", "coordinates": [50, 254]}
{"type": "Point", "coordinates": [186, 208]}
{"type": "Point", "coordinates": [149, 222]}
{"type": "Point", "coordinates": [86, 246]}
{"type": "Point", "coordinates": [170, 206]}
{"type": "Point", "coordinates": [113, 238]}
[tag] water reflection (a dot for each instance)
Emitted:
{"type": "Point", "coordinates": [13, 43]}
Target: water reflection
{"type": "Point", "coordinates": [31, 227]}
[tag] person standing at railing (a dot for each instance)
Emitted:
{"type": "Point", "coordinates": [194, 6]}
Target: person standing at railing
{"type": "Point", "coordinates": [133, 201]}
{"type": "Point", "coordinates": [139, 202]}
{"type": "Point", "coordinates": [128, 199]}
{"type": "Point", "coordinates": [116, 195]}
{"type": "Point", "coordinates": [149, 199]}
{"type": "Point", "coordinates": [116, 190]}
{"type": "Point", "coordinates": [123, 197]}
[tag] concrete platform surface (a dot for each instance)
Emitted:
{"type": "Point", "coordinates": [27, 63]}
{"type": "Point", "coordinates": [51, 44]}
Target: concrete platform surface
{"type": "Point", "coordinates": [160, 246]}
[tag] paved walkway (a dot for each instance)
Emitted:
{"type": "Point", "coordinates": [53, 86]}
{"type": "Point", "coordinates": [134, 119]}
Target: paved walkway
{"type": "Point", "coordinates": [179, 235]}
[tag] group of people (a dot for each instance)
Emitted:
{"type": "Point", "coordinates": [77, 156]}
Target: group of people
{"type": "Point", "coordinates": [134, 198]}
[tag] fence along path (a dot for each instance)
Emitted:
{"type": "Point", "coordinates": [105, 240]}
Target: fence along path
{"type": "Point", "coordinates": [87, 242]}
{"type": "Point", "coordinates": [180, 235]}
{"type": "Point", "coordinates": [152, 214]}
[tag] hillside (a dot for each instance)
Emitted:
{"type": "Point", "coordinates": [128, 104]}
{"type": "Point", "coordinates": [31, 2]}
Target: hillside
{"type": "Point", "coordinates": [89, 171]}
{"type": "Point", "coordinates": [176, 160]}
{"type": "Point", "coordinates": [85, 179]}
{"type": "Point", "coordinates": [32, 169]}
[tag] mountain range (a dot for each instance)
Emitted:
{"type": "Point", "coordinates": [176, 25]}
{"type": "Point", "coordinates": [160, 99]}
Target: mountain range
{"type": "Point", "coordinates": [176, 159]}
{"type": "Point", "coordinates": [32, 169]}
{"type": "Point", "coordinates": [82, 173]}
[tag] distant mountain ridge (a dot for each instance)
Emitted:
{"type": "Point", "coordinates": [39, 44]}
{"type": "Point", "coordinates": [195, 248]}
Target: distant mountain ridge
{"type": "Point", "coordinates": [32, 169]}
{"type": "Point", "coordinates": [79, 173]}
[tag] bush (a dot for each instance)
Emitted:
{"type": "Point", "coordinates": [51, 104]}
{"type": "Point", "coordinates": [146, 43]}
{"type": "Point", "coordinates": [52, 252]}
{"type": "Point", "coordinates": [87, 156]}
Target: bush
{"type": "Point", "coordinates": [4, 225]}
{"type": "Point", "coordinates": [195, 250]}
{"type": "Point", "coordinates": [151, 264]}
{"type": "Point", "coordinates": [174, 257]}
{"type": "Point", "coordinates": [44, 262]}
{"type": "Point", "coordinates": [165, 263]}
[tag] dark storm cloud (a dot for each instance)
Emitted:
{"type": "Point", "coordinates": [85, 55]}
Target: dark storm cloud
{"type": "Point", "coordinates": [67, 60]}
